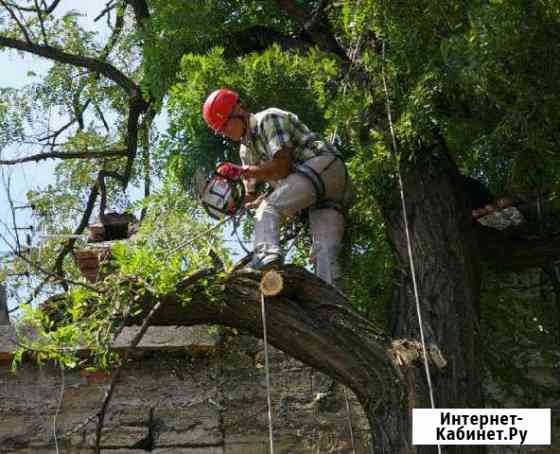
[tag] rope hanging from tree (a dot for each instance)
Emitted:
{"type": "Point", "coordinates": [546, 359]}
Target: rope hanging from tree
{"type": "Point", "coordinates": [407, 231]}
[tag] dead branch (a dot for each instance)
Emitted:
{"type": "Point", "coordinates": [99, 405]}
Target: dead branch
{"type": "Point", "coordinates": [117, 374]}
{"type": "Point", "coordinates": [103, 189]}
{"type": "Point", "coordinates": [7, 184]}
{"type": "Point", "coordinates": [146, 127]}
{"type": "Point", "coordinates": [136, 107]}
{"type": "Point", "coordinates": [137, 338]}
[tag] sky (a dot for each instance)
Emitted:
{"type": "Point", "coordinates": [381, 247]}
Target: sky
{"type": "Point", "coordinates": [25, 177]}
{"type": "Point", "coordinates": [14, 74]}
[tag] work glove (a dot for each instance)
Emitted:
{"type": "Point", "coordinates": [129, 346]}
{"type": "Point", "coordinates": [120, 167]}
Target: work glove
{"type": "Point", "coordinates": [230, 171]}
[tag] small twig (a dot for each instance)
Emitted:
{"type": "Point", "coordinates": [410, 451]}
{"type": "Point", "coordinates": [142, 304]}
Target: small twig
{"type": "Point", "coordinates": [18, 22]}
{"type": "Point", "coordinates": [47, 9]}
{"type": "Point", "coordinates": [6, 184]}
{"type": "Point", "coordinates": [103, 190]}
{"type": "Point", "coordinates": [108, 7]}
{"type": "Point", "coordinates": [49, 274]}
{"type": "Point", "coordinates": [31, 297]}
{"type": "Point", "coordinates": [102, 117]}
{"type": "Point", "coordinates": [42, 23]}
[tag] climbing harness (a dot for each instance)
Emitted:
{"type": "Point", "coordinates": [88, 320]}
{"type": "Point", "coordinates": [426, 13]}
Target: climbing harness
{"type": "Point", "coordinates": [407, 231]}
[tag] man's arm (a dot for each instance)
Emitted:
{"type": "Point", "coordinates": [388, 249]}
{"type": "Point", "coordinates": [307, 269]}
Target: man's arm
{"type": "Point", "coordinates": [276, 169]}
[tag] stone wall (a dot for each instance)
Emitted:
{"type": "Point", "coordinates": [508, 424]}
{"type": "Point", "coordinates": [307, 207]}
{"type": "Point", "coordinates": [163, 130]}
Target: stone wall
{"type": "Point", "coordinates": [184, 392]}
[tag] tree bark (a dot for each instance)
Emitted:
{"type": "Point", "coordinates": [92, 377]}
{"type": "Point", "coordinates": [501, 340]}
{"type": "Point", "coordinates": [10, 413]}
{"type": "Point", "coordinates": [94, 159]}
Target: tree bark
{"type": "Point", "coordinates": [445, 251]}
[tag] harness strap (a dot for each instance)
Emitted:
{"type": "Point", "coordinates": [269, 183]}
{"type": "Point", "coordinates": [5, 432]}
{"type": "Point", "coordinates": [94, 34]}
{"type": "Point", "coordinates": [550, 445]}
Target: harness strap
{"type": "Point", "coordinates": [329, 204]}
{"type": "Point", "coordinates": [314, 178]}
{"type": "Point", "coordinates": [319, 185]}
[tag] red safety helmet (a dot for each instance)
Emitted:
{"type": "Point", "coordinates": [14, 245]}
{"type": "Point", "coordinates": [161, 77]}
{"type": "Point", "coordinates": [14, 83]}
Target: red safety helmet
{"type": "Point", "coordinates": [218, 107]}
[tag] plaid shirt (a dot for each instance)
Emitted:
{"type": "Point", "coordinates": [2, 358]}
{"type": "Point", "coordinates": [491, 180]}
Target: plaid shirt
{"type": "Point", "coordinates": [273, 129]}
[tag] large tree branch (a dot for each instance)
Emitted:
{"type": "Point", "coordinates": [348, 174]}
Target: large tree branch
{"type": "Point", "coordinates": [516, 253]}
{"type": "Point", "coordinates": [65, 155]}
{"type": "Point", "coordinates": [59, 55]}
{"type": "Point", "coordinates": [258, 38]}
{"type": "Point", "coordinates": [310, 321]}
{"type": "Point", "coordinates": [315, 25]}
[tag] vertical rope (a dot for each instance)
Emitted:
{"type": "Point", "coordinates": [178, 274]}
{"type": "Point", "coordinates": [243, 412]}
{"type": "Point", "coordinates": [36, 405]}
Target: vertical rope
{"type": "Point", "coordinates": [58, 407]}
{"type": "Point", "coordinates": [407, 231]}
{"type": "Point", "coordinates": [349, 417]}
{"type": "Point", "coordinates": [267, 374]}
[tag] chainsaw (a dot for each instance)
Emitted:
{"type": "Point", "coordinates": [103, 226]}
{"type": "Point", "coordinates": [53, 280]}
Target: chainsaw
{"type": "Point", "coordinates": [224, 192]}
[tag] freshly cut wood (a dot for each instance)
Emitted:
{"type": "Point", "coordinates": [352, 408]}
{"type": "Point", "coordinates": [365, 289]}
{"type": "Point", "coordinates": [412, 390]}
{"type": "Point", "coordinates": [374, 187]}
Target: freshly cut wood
{"type": "Point", "coordinates": [272, 283]}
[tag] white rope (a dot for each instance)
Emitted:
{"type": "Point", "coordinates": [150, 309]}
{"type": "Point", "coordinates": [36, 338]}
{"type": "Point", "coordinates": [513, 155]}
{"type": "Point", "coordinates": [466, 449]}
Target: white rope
{"type": "Point", "coordinates": [407, 230]}
{"type": "Point", "coordinates": [349, 417]}
{"type": "Point", "coordinates": [58, 407]}
{"type": "Point", "coordinates": [267, 374]}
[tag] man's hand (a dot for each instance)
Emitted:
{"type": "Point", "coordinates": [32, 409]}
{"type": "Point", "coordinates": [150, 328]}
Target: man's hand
{"type": "Point", "coordinates": [250, 171]}
{"type": "Point", "coordinates": [253, 200]}
{"type": "Point", "coordinates": [229, 170]}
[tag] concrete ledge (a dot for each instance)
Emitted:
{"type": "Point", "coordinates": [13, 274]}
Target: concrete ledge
{"type": "Point", "coordinates": [197, 339]}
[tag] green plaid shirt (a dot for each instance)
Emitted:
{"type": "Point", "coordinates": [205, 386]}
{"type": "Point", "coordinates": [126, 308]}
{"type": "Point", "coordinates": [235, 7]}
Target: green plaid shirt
{"type": "Point", "coordinates": [273, 129]}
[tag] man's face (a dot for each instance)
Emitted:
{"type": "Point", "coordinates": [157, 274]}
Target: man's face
{"type": "Point", "coordinates": [234, 129]}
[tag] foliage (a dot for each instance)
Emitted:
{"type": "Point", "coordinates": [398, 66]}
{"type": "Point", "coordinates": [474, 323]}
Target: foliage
{"type": "Point", "coordinates": [172, 243]}
{"type": "Point", "coordinates": [484, 75]}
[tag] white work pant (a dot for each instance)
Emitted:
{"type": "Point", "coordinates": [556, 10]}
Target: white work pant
{"type": "Point", "coordinates": [296, 193]}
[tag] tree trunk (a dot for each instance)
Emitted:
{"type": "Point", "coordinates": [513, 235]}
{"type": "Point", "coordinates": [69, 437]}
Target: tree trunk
{"type": "Point", "coordinates": [446, 258]}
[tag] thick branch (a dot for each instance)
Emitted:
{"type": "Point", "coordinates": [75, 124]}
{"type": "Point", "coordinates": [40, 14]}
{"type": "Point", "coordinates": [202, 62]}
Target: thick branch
{"type": "Point", "coordinates": [311, 321]}
{"type": "Point", "coordinates": [515, 253]}
{"type": "Point", "coordinates": [258, 39]}
{"type": "Point", "coordinates": [316, 26]}
{"type": "Point", "coordinates": [65, 155]}
{"type": "Point", "coordinates": [59, 55]}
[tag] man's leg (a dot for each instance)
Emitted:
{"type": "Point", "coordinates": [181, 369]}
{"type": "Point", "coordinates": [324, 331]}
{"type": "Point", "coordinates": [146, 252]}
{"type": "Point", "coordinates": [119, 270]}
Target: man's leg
{"type": "Point", "coordinates": [295, 193]}
{"type": "Point", "coordinates": [327, 228]}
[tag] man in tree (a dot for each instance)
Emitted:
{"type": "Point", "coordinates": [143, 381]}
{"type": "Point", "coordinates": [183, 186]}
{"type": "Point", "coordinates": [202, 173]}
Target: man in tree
{"type": "Point", "coordinates": [306, 173]}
